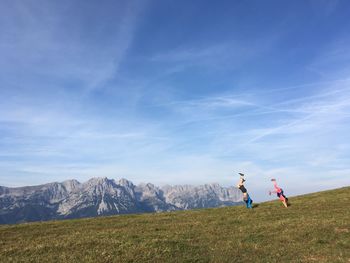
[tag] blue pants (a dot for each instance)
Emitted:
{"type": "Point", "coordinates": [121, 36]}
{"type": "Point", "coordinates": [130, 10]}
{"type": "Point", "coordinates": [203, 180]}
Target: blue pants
{"type": "Point", "coordinates": [248, 202]}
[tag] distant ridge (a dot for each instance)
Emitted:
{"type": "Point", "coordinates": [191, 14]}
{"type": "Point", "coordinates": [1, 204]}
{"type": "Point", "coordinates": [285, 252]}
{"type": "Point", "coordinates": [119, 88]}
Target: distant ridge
{"type": "Point", "coordinates": [103, 196]}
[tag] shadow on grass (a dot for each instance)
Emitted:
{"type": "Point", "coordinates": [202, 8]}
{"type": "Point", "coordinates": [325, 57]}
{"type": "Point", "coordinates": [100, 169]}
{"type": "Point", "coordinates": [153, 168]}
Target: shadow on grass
{"type": "Point", "coordinates": [255, 205]}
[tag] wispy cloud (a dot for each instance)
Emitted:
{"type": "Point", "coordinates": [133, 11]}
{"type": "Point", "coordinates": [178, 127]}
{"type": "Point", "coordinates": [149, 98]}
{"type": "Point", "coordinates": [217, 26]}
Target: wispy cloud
{"type": "Point", "coordinates": [35, 43]}
{"type": "Point", "coordinates": [221, 56]}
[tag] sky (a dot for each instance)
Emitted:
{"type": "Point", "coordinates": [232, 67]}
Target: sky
{"type": "Point", "coordinates": [176, 92]}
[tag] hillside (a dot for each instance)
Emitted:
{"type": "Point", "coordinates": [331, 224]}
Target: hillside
{"type": "Point", "coordinates": [316, 228]}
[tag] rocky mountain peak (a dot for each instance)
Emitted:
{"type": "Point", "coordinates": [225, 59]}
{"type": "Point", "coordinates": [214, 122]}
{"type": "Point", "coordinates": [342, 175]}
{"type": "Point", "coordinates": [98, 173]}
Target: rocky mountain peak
{"type": "Point", "coordinates": [3, 190]}
{"type": "Point", "coordinates": [103, 196]}
{"type": "Point", "coordinates": [71, 185]}
{"type": "Point", "coordinates": [126, 183]}
{"type": "Point", "coordinates": [99, 186]}
{"type": "Point", "coordinates": [98, 180]}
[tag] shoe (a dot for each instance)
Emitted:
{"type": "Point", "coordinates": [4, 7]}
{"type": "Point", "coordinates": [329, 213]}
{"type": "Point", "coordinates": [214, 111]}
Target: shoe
{"type": "Point", "coordinates": [241, 174]}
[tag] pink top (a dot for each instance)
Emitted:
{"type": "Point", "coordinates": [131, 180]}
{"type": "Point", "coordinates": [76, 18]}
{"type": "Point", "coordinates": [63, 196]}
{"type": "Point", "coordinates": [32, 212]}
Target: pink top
{"type": "Point", "coordinates": [277, 189]}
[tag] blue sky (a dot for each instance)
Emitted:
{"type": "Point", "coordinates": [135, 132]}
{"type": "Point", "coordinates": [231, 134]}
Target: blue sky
{"type": "Point", "coordinates": [176, 92]}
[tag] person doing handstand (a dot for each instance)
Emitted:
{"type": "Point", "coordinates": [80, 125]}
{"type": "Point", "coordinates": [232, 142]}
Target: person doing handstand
{"type": "Point", "coordinates": [279, 192]}
{"type": "Point", "coordinates": [246, 197]}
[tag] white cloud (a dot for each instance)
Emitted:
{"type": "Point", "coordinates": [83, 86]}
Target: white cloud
{"type": "Point", "coordinates": [42, 40]}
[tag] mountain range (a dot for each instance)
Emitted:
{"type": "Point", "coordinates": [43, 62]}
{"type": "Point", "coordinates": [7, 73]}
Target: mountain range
{"type": "Point", "coordinates": [103, 196]}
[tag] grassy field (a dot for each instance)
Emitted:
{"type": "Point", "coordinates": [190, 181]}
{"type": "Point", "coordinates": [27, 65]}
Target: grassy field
{"type": "Point", "coordinates": [316, 228]}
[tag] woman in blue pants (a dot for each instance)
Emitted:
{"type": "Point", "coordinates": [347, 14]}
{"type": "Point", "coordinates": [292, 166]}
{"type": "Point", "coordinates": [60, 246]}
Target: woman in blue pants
{"type": "Point", "coordinates": [246, 197]}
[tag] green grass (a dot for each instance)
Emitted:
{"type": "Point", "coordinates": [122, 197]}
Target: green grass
{"type": "Point", "coordinates": [316, 228]}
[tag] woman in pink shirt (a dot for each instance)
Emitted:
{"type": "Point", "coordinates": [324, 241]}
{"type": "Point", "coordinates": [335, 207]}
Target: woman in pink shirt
{"type": "Point", "coordinates": [279, 193]}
